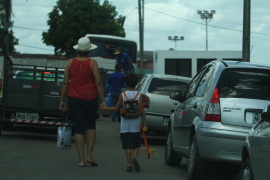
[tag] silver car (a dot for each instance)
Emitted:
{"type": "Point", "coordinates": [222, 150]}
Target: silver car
{"type": "Point", "coordinates": [256, 150]}
{"type": "Point", "coordinates": [215, 113]}
{"type": "Point", "coordinates": [156, 89]}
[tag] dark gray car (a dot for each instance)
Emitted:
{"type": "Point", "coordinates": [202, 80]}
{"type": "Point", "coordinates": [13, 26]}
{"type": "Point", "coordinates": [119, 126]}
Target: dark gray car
{"type": "Point", "coordinates": [216, 112]}
{"type": "Point", "coordinates": [256, 150]}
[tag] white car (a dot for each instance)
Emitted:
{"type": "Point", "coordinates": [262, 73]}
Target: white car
{"type": "Point", "coordinates": [156, 89]}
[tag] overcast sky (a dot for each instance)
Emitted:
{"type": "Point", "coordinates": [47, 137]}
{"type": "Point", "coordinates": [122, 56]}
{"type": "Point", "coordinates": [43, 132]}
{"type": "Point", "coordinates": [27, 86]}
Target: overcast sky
{"type": "Point", "coordinates": [163, 18]}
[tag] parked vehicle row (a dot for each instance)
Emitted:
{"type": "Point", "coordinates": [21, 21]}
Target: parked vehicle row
{"type": "Point", "coordinates": [256, 150]}
{"type": "Point", "coordinates": [215, 114]}
{"type": "Point", "coordinates": [156, 89]}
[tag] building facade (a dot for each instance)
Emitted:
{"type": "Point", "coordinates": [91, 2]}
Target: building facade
{"type": "Point", "coordinates": [188, 63]}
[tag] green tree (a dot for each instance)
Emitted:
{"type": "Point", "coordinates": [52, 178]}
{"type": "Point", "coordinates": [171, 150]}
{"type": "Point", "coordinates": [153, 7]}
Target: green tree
{"type": "Point", "coordinates": [5, 7]}
{"type": "Point", "coordinates": [72, 19]}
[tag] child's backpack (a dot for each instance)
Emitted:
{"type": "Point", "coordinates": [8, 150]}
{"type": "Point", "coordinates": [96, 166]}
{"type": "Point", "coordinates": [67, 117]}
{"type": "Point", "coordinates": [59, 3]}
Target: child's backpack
{"type": "Point", "coordinates": [131, 108]}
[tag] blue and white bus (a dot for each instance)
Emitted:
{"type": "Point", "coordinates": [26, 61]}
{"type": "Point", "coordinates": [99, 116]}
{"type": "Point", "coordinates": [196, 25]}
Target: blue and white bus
{"type": "Point", "coordinates": [104, 54]}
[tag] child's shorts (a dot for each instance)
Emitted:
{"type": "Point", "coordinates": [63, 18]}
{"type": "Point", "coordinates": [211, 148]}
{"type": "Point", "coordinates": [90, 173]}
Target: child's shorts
{"type": "Point", "coordinates": [131, 140]}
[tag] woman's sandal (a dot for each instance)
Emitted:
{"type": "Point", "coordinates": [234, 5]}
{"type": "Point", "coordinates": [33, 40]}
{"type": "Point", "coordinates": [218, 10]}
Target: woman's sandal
{"type": "Point", "coordinates": [80, 165]}
{"type": "Point", "coordinates": [93, 163]}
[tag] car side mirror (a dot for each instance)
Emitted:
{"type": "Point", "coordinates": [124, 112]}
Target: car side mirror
{"type": "Point", "coordinates": [175, 102]}
{"type": "Point", "coordinates": [265, 116]}
{"type": "Point", "coordinates": [176, 95]}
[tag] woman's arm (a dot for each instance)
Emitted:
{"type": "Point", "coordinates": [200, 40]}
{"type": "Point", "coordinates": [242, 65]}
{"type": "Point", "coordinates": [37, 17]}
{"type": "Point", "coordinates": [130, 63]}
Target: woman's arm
{"type": "Point", "coordinates": [117, 106]}
{"type": "Point", "coordinates": [98, 81]}
{"type": "Point", "coordinates": [64, 87]}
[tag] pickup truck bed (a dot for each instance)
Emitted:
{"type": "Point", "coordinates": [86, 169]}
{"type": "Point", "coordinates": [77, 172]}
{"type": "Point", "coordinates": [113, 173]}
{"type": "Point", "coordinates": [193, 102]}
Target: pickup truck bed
{"type": "Point", "coordinates": [31, 97]}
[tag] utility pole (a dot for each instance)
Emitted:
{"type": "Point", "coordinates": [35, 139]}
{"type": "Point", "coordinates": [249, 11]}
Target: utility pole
{"type": "Point", "coordinates": [143, 20]}
{"type": "Point", "coordinates": [141, 36]}
{"type": "Point", "coordinates": [246, 32]}
{"type": "Point", "coordinates": [5, 38]}
{"type": "Point", "coordinates": [7, 14]}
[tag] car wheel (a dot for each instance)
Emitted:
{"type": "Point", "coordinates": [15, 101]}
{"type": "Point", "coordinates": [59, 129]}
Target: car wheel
{"type": "Point", "coordinates": [7, 126]}
{"type": "Point", "coordinates": [247, 173]}
{"type": "Point", "coordinates": [171, 158]}
{"type": "Point", "coordinates": [196, 165]}
{"type": "Point", "coordinates": [1, 125]}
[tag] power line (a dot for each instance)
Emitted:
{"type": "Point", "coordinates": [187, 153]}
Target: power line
{"type": "Point", "coordinates": [27, 11]}
{"type": "Point", "coordinates": [151, 29]}
{"type": "Point", "coordinates": [34, 47]}
{"type": "Point", "coordinates": [203, 23]}
{"type": "Point", "coordinates": [28, 28]}
{"type": "Point", "coordinates": [30, 5]}
{"type": "Point", "coordinates": [195, 17]}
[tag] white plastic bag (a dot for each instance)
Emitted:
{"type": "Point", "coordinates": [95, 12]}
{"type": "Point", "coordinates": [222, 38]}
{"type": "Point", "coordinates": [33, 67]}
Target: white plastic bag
{"type": "Point", "coordinates": [64, 137]}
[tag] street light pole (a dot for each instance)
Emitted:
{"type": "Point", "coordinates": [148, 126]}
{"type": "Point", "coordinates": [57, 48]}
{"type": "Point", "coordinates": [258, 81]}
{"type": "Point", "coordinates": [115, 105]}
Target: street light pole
{"type": "Point", "coordinates": [175, 38]}
{"type": "Point", "coordinates": [207, 16]}
{"type": "Point", "coordinates": [206, 35]}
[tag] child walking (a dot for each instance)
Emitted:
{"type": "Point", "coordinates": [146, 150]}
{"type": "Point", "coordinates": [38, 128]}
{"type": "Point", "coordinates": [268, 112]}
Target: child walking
{"type": "Point", "coordinates": [130, 128]}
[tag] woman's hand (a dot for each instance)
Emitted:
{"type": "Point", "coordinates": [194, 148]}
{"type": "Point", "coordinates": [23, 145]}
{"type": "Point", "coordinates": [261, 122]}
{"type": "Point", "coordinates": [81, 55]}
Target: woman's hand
{"type": "Point", "coordinates": [62, 106]}
{"type": "Point", "coordinates": [102, 105]}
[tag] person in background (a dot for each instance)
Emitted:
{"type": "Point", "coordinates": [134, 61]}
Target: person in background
{"type": "Point", "coordinates": [82, 85]}
{"type": "Point", "coordinates": [116, 82]}
{"type": "Point", "coordinates": [130, 128]}
{"type": "Point", "coordinates": [124, 60]}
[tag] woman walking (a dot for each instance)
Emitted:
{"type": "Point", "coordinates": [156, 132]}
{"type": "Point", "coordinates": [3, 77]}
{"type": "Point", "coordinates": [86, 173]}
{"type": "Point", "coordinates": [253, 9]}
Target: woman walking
{"type": "Point", "coordinates": [82, 85]}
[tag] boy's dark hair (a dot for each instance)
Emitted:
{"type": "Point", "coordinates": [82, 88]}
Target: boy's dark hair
{"type": "Point", "coordinates": [131, 80]}
{"type": "Point", "coordinates": [118, 67]}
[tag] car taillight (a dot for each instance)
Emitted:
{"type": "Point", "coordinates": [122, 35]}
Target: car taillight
{"type": "Point", "coordinates": [213, 112]}
{"type": "Point", "coordinates": [146, 101]}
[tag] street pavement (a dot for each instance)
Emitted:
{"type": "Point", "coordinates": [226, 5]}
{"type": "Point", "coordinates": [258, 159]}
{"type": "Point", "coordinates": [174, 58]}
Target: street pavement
{"type": "Point", "coordinates": [30, 153]}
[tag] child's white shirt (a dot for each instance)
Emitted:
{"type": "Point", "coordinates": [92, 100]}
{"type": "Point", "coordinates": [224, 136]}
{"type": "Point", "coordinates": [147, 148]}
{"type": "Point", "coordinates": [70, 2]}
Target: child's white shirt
{"type": "Point", "coordinates": [130, 125]}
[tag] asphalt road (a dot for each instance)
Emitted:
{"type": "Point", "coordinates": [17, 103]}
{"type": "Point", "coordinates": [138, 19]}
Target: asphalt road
{"type": "Point", "coordinates": [28, 153]}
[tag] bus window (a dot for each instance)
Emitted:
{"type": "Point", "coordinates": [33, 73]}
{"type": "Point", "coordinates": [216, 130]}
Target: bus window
{"type": "Point", "coordinates": [104, 54]}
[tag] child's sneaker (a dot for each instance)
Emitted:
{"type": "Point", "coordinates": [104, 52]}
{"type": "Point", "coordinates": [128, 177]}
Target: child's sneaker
{"type": "Point", "coordinates": [129, 169]}
{"type": "Point", "coordinates": [136, 164]}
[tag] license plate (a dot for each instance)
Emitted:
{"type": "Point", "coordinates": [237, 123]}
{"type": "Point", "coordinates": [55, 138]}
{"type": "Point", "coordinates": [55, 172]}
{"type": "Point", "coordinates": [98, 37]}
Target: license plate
{"type": "Point", "coordinates": [165, 121]}
{"type": "Point", "coordinates": [256, 117]}
{"type": "Point", "coordinates": [27, 116]}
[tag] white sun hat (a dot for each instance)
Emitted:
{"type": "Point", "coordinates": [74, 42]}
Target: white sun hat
{"type": "Point", "coordinates": [84, 44]}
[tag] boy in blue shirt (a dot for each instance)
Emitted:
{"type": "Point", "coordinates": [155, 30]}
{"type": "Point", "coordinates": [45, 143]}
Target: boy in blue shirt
{"type": "Point", "coordinates": [116, 81]}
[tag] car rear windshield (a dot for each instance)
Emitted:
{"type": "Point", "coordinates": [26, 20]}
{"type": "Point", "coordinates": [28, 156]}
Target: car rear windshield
{"type": "Point", "coordinates": [163, 86]}
{"type": "Point", "coordinates": [245, 83]}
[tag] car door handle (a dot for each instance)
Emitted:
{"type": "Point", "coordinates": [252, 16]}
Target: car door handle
{"type": "Point", "coordinates": [194, 105]}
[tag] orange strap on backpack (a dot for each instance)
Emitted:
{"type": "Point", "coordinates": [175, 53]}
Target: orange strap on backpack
{"type": "Point", "coordinates": [134, 96]}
